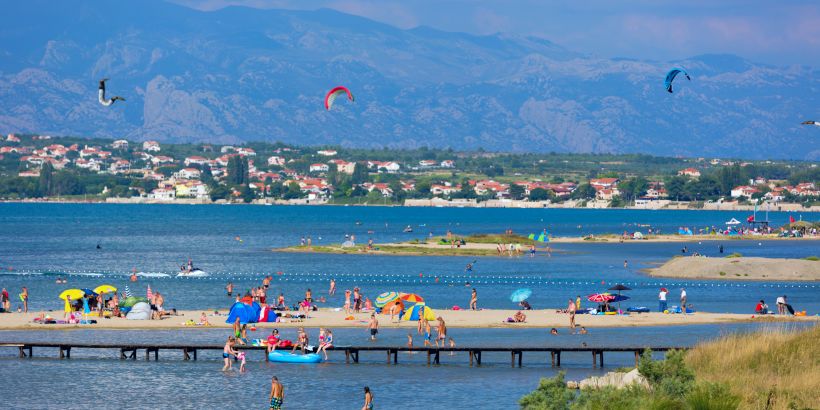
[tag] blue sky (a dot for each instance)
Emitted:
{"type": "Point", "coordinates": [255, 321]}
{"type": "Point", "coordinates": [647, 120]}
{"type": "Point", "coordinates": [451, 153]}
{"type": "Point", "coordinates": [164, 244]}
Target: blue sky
{"type": "Point", "coordinates": [776, 32]}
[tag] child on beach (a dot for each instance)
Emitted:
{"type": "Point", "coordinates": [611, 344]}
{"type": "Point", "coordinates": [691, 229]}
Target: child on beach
{"type": "Point", "coordinates": [203, 320]}
{"type": "Point", "coordinates": [474, 300]}
{"type": "Point", "coordinates": [347, 302]}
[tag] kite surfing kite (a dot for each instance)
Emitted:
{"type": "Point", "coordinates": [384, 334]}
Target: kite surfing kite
{"type": "Point", "coordinates": [103, 100]}
{"type": "Point", "coordinates": [335, 92]}
{"type": "Point", "coordinates": [817, 123]}
{"type": "Point", "coordinates": [671, 76]}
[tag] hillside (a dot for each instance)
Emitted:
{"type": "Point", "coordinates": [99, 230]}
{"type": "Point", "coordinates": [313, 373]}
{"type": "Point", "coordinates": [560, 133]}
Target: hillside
{"type": "Point", "coordinates": [240, 74]}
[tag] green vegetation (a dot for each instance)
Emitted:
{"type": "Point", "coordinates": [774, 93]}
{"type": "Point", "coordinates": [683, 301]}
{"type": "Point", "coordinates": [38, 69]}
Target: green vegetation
{"type": "Point", "coordinates": [775, 370]}
{"type": "Point", "coordinates": [408, 249]}
{"type": "Point", "coordinates": [812, 258]}
{"type": "Point", "coordinates": [734, 255]}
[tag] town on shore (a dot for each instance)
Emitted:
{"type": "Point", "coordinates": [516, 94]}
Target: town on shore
{"type": "Point", "coordinates": [45, 168]}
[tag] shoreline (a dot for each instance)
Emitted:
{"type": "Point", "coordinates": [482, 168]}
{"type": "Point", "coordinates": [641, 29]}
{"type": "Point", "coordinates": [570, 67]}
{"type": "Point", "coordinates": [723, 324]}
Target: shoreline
{"type": "Point", "coordinates": [461, 319]}
{"type": "Point", "coordinates": [125, 201]}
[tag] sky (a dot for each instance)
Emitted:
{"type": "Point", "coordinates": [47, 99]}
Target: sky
{"type": "Point", "coordinates": [783, 32]}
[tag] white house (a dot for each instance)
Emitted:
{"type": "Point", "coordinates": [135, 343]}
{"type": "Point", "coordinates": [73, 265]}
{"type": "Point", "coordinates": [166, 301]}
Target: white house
{"type": "Point", "coordinates": [448, 163]}
{"type": "Point", "coordinates": [427, 163]}
{"type": "Point", "coordinates": [151, 146]}
{"type": "Point", "coordinates": [276, 160]}
{"type": "Point", "coordinates": [743, 190]}
{"type": "Point", "coordinates": [343, 166]}
{"type": "Point", "coordinates": [247, 152]}
{"type": "Point", "coordinates": [327, 152]}
{"type": "Point", "coordinates": [119, 144]}
{"type": "Point", "coordinates": [163, 194]}
{"type": "Point", "coordinates": [195, 159]}
{"type": "Point", "coordinates": [319, 168]}
{"type": "Point", "coordinates": [188, 173]}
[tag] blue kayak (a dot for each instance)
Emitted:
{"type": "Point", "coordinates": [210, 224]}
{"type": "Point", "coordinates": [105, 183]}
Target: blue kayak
{"type": "Point", "coordinates": [287, 357]}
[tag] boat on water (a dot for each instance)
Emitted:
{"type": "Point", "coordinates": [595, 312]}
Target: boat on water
{"type": "Point", "coordinates": [193, 273]}
{"type": "Point", "coordinates": [407, 229]}
{"type": "Point", "coordinates": [277, 356]}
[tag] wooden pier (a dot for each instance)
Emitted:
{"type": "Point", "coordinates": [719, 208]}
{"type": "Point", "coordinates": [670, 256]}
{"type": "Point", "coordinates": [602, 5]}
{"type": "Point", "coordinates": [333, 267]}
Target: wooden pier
{"type": "Point", "coordinates": [189, 352]}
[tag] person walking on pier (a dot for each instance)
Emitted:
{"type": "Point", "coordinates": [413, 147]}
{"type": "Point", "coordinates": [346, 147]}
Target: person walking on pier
{"type": "Point", "coordinates": [277, 394]}
{"type": "Point", "coordinates": [442, 332]}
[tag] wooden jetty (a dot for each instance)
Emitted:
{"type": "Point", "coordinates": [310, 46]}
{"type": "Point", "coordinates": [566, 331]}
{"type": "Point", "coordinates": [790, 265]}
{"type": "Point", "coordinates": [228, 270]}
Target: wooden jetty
{"type": "Point", "coordinates": [189, 352]}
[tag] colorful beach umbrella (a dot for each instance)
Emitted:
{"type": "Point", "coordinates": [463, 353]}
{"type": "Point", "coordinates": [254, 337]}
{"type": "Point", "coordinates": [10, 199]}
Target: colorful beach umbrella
{"type": "Point", "coordinates": [128, 292]}
{"type": "Point", "coordinates": [385, 298]}
{"type": "Point", "coordinates": [149, 294]}
{"type": "Point", "coordinates": [388, 307]}
{"type": "Point", "coordinates": [600, 297]}
{"type": "Point", "coordinates": [411, 298]}
{"type": "Point", "coordinates": [105, 289]}
{"type": "Point", "coordinates": [520, 295]}
{"type": "Point", "coordinates": [73, 293]}
{"type": "Point", "coordinates": [419, 310]}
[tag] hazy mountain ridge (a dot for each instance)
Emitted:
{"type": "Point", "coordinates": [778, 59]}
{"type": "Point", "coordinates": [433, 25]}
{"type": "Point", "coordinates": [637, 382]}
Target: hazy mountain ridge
{"type": "Point", "coordinates": [245, 74]}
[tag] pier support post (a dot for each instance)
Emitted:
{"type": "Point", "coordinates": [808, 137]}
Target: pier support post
{"type": "Point", "coordinates": [185, 355]}
{"type": "Point", "coordinates": [520, 358]}
{"type": "Point", "coordinates": [552, 359]}
{"type": "Point", "coordinates": [471, 358]}
{"type": "Point", "coordinates": [22, 353]}
{"type": "Point", "coordinates": [194, 354]}
{"type": "Point", "coordinates": [601, 358]}
{"type": "Point", "coordinates": [436, 358]}
{"type": "Point", "coordinates": [478, 357]}
{"type": "Point", "coordinates": [594, 360]}
{"type": "Point", "coordinates": [559, 358]}
{"type": "Point", "coordinates": [637, 357]}
{"type": "Point", "coordinates": [347, 356]}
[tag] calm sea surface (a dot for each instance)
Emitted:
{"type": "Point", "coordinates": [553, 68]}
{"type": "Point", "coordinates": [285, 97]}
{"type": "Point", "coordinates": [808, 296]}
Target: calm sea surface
{"type": "Point", "coordinates": [233, 243]}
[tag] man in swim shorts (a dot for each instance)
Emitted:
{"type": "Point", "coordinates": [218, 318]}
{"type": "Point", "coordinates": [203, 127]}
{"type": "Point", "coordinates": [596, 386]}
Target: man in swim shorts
{"type": "Point", "coordinates": [277, 394]}
{"type": "Point", "coordinates": [374, 326]}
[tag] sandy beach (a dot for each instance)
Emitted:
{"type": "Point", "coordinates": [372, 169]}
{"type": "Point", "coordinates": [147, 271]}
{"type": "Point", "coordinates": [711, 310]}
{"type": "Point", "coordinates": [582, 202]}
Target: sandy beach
{"type": "Point", "coordinates": [432, 248]}
{"type": "Point", "coordinates": [489, 318]}
{"type": "Point", "coordinates": [740, 268]}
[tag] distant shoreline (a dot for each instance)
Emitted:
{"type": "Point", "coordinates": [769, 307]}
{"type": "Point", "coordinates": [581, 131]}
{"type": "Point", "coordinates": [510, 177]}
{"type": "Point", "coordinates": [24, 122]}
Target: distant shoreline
{"type": "Point", "coordinates": [789, 207]}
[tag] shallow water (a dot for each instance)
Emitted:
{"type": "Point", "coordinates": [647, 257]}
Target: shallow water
{"type": "Point", "coordinates": [171, 382]}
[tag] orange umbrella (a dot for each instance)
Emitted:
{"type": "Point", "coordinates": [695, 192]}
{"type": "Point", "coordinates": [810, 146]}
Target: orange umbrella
{"type": "Point", "coordinates": [411, 298]}
{"type": "Point", "coordinates": [386, 309]}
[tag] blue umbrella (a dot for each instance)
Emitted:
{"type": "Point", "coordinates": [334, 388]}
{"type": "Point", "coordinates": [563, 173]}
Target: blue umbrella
{"type": "Point", "coordinates": [89, 292]}
{"type": "Point", "coordinates": [520, 295]}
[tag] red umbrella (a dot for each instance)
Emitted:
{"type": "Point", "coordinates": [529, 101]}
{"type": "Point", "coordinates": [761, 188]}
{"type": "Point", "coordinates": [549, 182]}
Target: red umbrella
{"type": "Point", "coordinates": [600, 297]}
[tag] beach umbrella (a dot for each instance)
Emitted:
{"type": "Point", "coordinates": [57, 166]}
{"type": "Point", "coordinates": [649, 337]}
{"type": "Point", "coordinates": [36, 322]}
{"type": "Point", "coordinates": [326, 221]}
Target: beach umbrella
{"type": "Point", "coordinates": [419, 310]}
{"type": "Point", "coordinates": [128, 292]}
{"type": "Point", "coordinates": [600, 297]}
{"type": "Point", "coordinates": [619, 287]}
{"type": "Point", "coordinates": [388, 307]}
{"type": "Point", "coordinates": [411, 298]}
{"type": "Point", "coordinates": [520, 295]}
{"type": "Point", "coordinates": [149, 294]}
{"type": "Point", "coordinates": [89, 292]}
{"type": "Point", "coordinates": [385, 298]}
{"type": "Point", "coordinates": [72, 293]}
{"type": "Point", "coordinates": [105, 289]}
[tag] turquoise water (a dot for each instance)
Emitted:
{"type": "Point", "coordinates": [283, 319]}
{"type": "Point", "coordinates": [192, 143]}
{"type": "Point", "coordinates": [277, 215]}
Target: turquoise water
{"type": "Point", "coordinates": [43, 241]}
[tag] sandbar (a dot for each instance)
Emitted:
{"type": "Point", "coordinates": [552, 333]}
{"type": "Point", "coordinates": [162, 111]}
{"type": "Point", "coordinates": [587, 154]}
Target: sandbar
{"type": "Point", "coordinates": [739, 268]}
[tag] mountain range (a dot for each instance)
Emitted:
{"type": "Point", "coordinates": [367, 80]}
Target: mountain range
{"type": "Point", "coordinates": [241, 74]}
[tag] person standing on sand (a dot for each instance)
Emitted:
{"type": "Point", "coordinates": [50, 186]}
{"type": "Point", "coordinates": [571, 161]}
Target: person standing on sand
{"type": "Point", "coordinates": [662, 300]}
{"type": "Point", "coordinates": [571, 311]}
{"type": "Point", "coordinates": [277, 394]}
{"type": "Point", "coordinates": [24, 299]}
{"type": "Point", "coordinates": [474, 300]}
{"type": "Point", "coordinates": [347, 301]}
{"type": "Point", "coordinates": [683, 300]}
{"type": "Point", "coordinates": [373, 325]}
{"type": "Point", "coordinates": [368, 399]}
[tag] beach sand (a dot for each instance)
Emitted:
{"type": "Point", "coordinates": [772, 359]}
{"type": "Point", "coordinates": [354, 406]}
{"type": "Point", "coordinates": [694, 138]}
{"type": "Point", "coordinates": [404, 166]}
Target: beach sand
{"type": "Point", "coordinates": [741, 268]}
{"type": "Point", "coordinates": [490, 318]}
{"type": "Point", "coordinates": [489, 249]}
